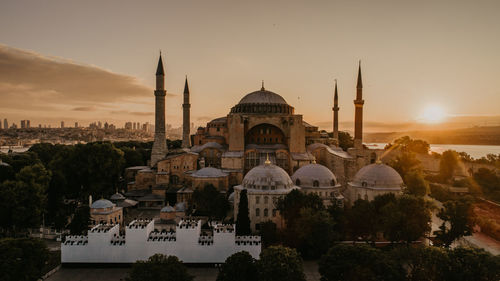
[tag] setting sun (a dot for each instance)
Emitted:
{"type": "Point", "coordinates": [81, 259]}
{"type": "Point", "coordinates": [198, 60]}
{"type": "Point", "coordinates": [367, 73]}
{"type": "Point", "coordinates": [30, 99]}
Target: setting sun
{"type": "Point", "coordinates": [432, 114]}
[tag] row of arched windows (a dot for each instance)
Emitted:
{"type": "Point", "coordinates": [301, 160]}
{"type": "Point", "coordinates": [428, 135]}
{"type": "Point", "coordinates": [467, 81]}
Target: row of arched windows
{"type": "Point", "coordinates": [266, 212]}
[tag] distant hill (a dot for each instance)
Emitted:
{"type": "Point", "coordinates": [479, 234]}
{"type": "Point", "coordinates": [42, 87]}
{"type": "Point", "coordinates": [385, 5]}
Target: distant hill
{"type": "Point", "coordinates": [475, 136]}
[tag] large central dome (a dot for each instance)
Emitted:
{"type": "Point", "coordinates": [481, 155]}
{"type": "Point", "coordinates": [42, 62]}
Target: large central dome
{"type": "Point", "coordinates": [262, 97]}
{"type": "Point", "coordinates": [262, 102]}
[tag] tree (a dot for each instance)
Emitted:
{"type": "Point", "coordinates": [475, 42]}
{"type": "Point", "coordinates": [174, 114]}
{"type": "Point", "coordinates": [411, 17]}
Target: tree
{"type": "Point", "coordinates": [242, 219]}
{"type": "Point", "coordinates": [416, 184]}
{"type": "Point", "coordinates": [210, 202]}
{"type": "Point", "coordinates": [404, 163]}
{"type": "Point", "coordinates": [159, 268]}
{"type": "Point", "coordinates": [345, 262]}
{"type": "Point", "coordinates": [314, 230]}
{"type": "Point", "coordinates": [268, 233]}
{"type": "Point", "coordinates": [80, 221]}
{"type": "Point", "coordinates": [422, 263]}
{"type": "Point", "coordinates": [447, 165]}
{"type": "Point", "coordinates": [361, 220]}
{"type": "Point", "coordinates": [472, 264]}
{"type": "Point", "coordinates": [132, 157]}
{"type": "Point", "coordinates": [290, 205]}
{"type": "Point", "coordinates": [345, 140]}
{"type": "Point", "coordinates": [406, 144]}
{"type": "Point", "coordinates": [407, 219]}
{"type": "Point", "coordinates": [22, 258]}
{"type": "Point", "coordinates": [489, 182]}
{"type": "Point", "coordinates": [278, 263]}
{"type": "Point", "coordinates": [456, 216]}
{"type": "Point", "coordinates": [238, 267]}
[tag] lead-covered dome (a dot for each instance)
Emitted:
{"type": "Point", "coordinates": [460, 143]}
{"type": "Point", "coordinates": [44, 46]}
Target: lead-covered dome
{"type": "Point", "coordinates": [262, 97]}
{"type": "Point", "coordinates": [267, 177]}
{"type": "Point", "coordinates": [378, 176]}
{"type": "Point", "coordinates": [314, 175]}
{"type": "Point", "coordinates": [209, 172]}
{"type": "Point", "coordinates": [102, 204]}
{"type": "Point", "coordinates": [262, 101]}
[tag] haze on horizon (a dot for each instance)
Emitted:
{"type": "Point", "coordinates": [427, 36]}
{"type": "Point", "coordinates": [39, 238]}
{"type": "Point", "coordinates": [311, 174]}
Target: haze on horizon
{"type": "Point", "coordinates": [95, 60]}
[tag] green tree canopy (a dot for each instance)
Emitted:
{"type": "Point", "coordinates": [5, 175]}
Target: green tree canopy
{"type": "Point", "coordinates": [210, 202]}
{"type": "Point", "coordinates": [457, 222]}
{"type": "Point", "coordinates": [278, 263]}
{"type": "Point", "coordinates": [242, 219]}
{"type": "Point", "coordinates": [239, 267]}
{"type": "Point", "coordinates": [416, 184]}
{"type": "Point", "coordinates": [22, 259]}
{"type": "Point", "coordinates": [315, 232]}
{"type": "Point", "coordinates": [345, 262]}
{"type": "Point", "coordinates": [159, 268]}
{"type": "Point", "coordinates": [404, 163]}
{"type": "Point", "coordinates": [447, 165]}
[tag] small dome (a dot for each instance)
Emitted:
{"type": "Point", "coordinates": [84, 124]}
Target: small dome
{"type": "Point", "coordinates": [314, 175]}
{"type": "Point", "coordinates": [117, 196]}
{"type": "Point", "coordinates": [209, 172]}
{"type": "Point", "coordinates": [167, 209]}
{"type": "Point", "coordinates": [267, 177]}
{"type": "Point", "coordinates": [180, 207]}
{"type": "Point", "coordinates": [262, 97]}
{"type": "Point", "coordinates": [377, 175]}
{"type": "Point", "coordinates": [102, 204]}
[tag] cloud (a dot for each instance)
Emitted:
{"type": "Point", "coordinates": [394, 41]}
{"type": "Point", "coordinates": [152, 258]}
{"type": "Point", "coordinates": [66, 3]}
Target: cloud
{"type": "Point", "coordinates": [37, 84]}
{"type": "Point", "coordinates": [84, 108]}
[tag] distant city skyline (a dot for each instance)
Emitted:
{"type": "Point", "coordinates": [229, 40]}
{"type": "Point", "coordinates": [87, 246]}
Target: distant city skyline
{"type": "Point", "coordinates": [92, 61]}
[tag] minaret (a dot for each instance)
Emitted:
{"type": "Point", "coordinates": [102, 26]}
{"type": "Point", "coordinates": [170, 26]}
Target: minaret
{"type": "Point", "coordinates": [185, 117]}
{"type": "Point", "coordinates": [335, 109]}
{"type": "Point", "coordinates": [160, 145]}
{"type": "Point", "coordinates": [358, 117]}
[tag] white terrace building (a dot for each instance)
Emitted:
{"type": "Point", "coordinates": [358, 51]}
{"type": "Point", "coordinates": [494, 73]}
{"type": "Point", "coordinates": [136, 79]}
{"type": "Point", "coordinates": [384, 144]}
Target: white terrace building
{"type": "Point", "coordinates": [104, 244]}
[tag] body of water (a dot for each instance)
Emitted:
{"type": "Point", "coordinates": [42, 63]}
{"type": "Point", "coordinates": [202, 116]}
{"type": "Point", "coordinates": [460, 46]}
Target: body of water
{"type": "Point", "coordinates": [475, 151]}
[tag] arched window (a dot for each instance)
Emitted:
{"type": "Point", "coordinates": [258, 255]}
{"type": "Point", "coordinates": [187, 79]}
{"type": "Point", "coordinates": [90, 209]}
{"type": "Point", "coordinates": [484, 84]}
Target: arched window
{"type": "Point", "coordinates": [266, 200]}
{"type": "Point", "coordinates": [266, 212]}
{"type": "Point", "coordinates": [316, 183]}
{"type": "Point", "coordinates": [332, 183]}
{"type": "Point", "coordinates": [257, 199]}
{"type": "Point", "coordinates": [257, 212]}
{"type": "Point", "coordinates": [297, 182]}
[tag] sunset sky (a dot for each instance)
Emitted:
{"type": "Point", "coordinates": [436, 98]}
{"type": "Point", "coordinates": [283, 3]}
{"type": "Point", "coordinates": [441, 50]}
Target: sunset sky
{"type": "Point", "coordinates": [95, 60]}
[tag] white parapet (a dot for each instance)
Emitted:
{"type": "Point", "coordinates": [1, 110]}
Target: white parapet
{"type": "Point", "coordinates": [104, 244]}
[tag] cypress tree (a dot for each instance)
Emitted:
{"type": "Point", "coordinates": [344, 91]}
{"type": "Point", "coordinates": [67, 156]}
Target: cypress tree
{"type": "Point", "coordinates": [242, 220]}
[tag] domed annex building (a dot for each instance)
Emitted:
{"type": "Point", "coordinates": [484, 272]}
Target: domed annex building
{"type": "Point", "coordinates": [318, 179]}
{"type": "Point", "coordinates": [264, 184]}
{"type": "Point", "coordinates": [104, 211]}
{"type": "Point", "coordinates": [374, 179]}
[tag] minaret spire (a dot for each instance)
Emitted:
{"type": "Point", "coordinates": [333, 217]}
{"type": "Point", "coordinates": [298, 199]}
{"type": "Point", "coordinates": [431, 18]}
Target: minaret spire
{"type": "Point", "coordinates": [358, 117]}
{"type": "Point", "coordinates": [262, 88]}
{"type": "Point", "coordinates": [336, 114]}
{"type": "Point", "coordinates": [186, 123]}
{"type": "Point", "coordinates": [160, 144]}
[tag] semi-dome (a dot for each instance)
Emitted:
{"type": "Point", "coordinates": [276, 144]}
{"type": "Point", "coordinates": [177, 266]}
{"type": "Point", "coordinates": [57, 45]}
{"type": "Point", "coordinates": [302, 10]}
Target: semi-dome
{"type": "Point", "coordinates": [209, 172]}
{"type": "Point", "coordinates": [263, 101]}
{"type": "Point", "coordinates": [314, 175]}
{"type": "Point", "coordinates": [377, 176]}
{"type": "Point", "coordinates": [267, 177]}
{"type": "Point", "coordinates": [117, 196]}
{"type": "Point", "coordinates": [102, 204]}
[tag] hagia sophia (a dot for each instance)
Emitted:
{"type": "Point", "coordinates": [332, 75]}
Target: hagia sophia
{"type": "Point", "coordinates": [263, 146]}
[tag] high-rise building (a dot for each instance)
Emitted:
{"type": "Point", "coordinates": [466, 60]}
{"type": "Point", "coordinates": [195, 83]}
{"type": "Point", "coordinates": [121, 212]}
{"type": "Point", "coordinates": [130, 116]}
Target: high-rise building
{"type": "Point", "coordinates": [185, 117]}
{"type": "Point", "coordinates": [5, 123]}
{"type": "Point", "coordinates": [23, 124]}
{"type": "Point", "coordinates": [160, 144]}
{"type": "Point", "coordinates": [128, 125]}
{"type": "Point", "coordinates": [28, 124]}
{"type": "Point", "coordinates": [76, 124]}
{"type": "Point", "coordinates": [62, 124]}
{"type": "Point", "coordinates": [99, 124]}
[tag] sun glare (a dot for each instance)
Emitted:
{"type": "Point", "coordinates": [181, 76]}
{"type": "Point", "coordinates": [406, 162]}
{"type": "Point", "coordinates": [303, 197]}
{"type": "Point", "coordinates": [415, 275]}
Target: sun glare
{"type": "Point", "coordinates": [432, 114]}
